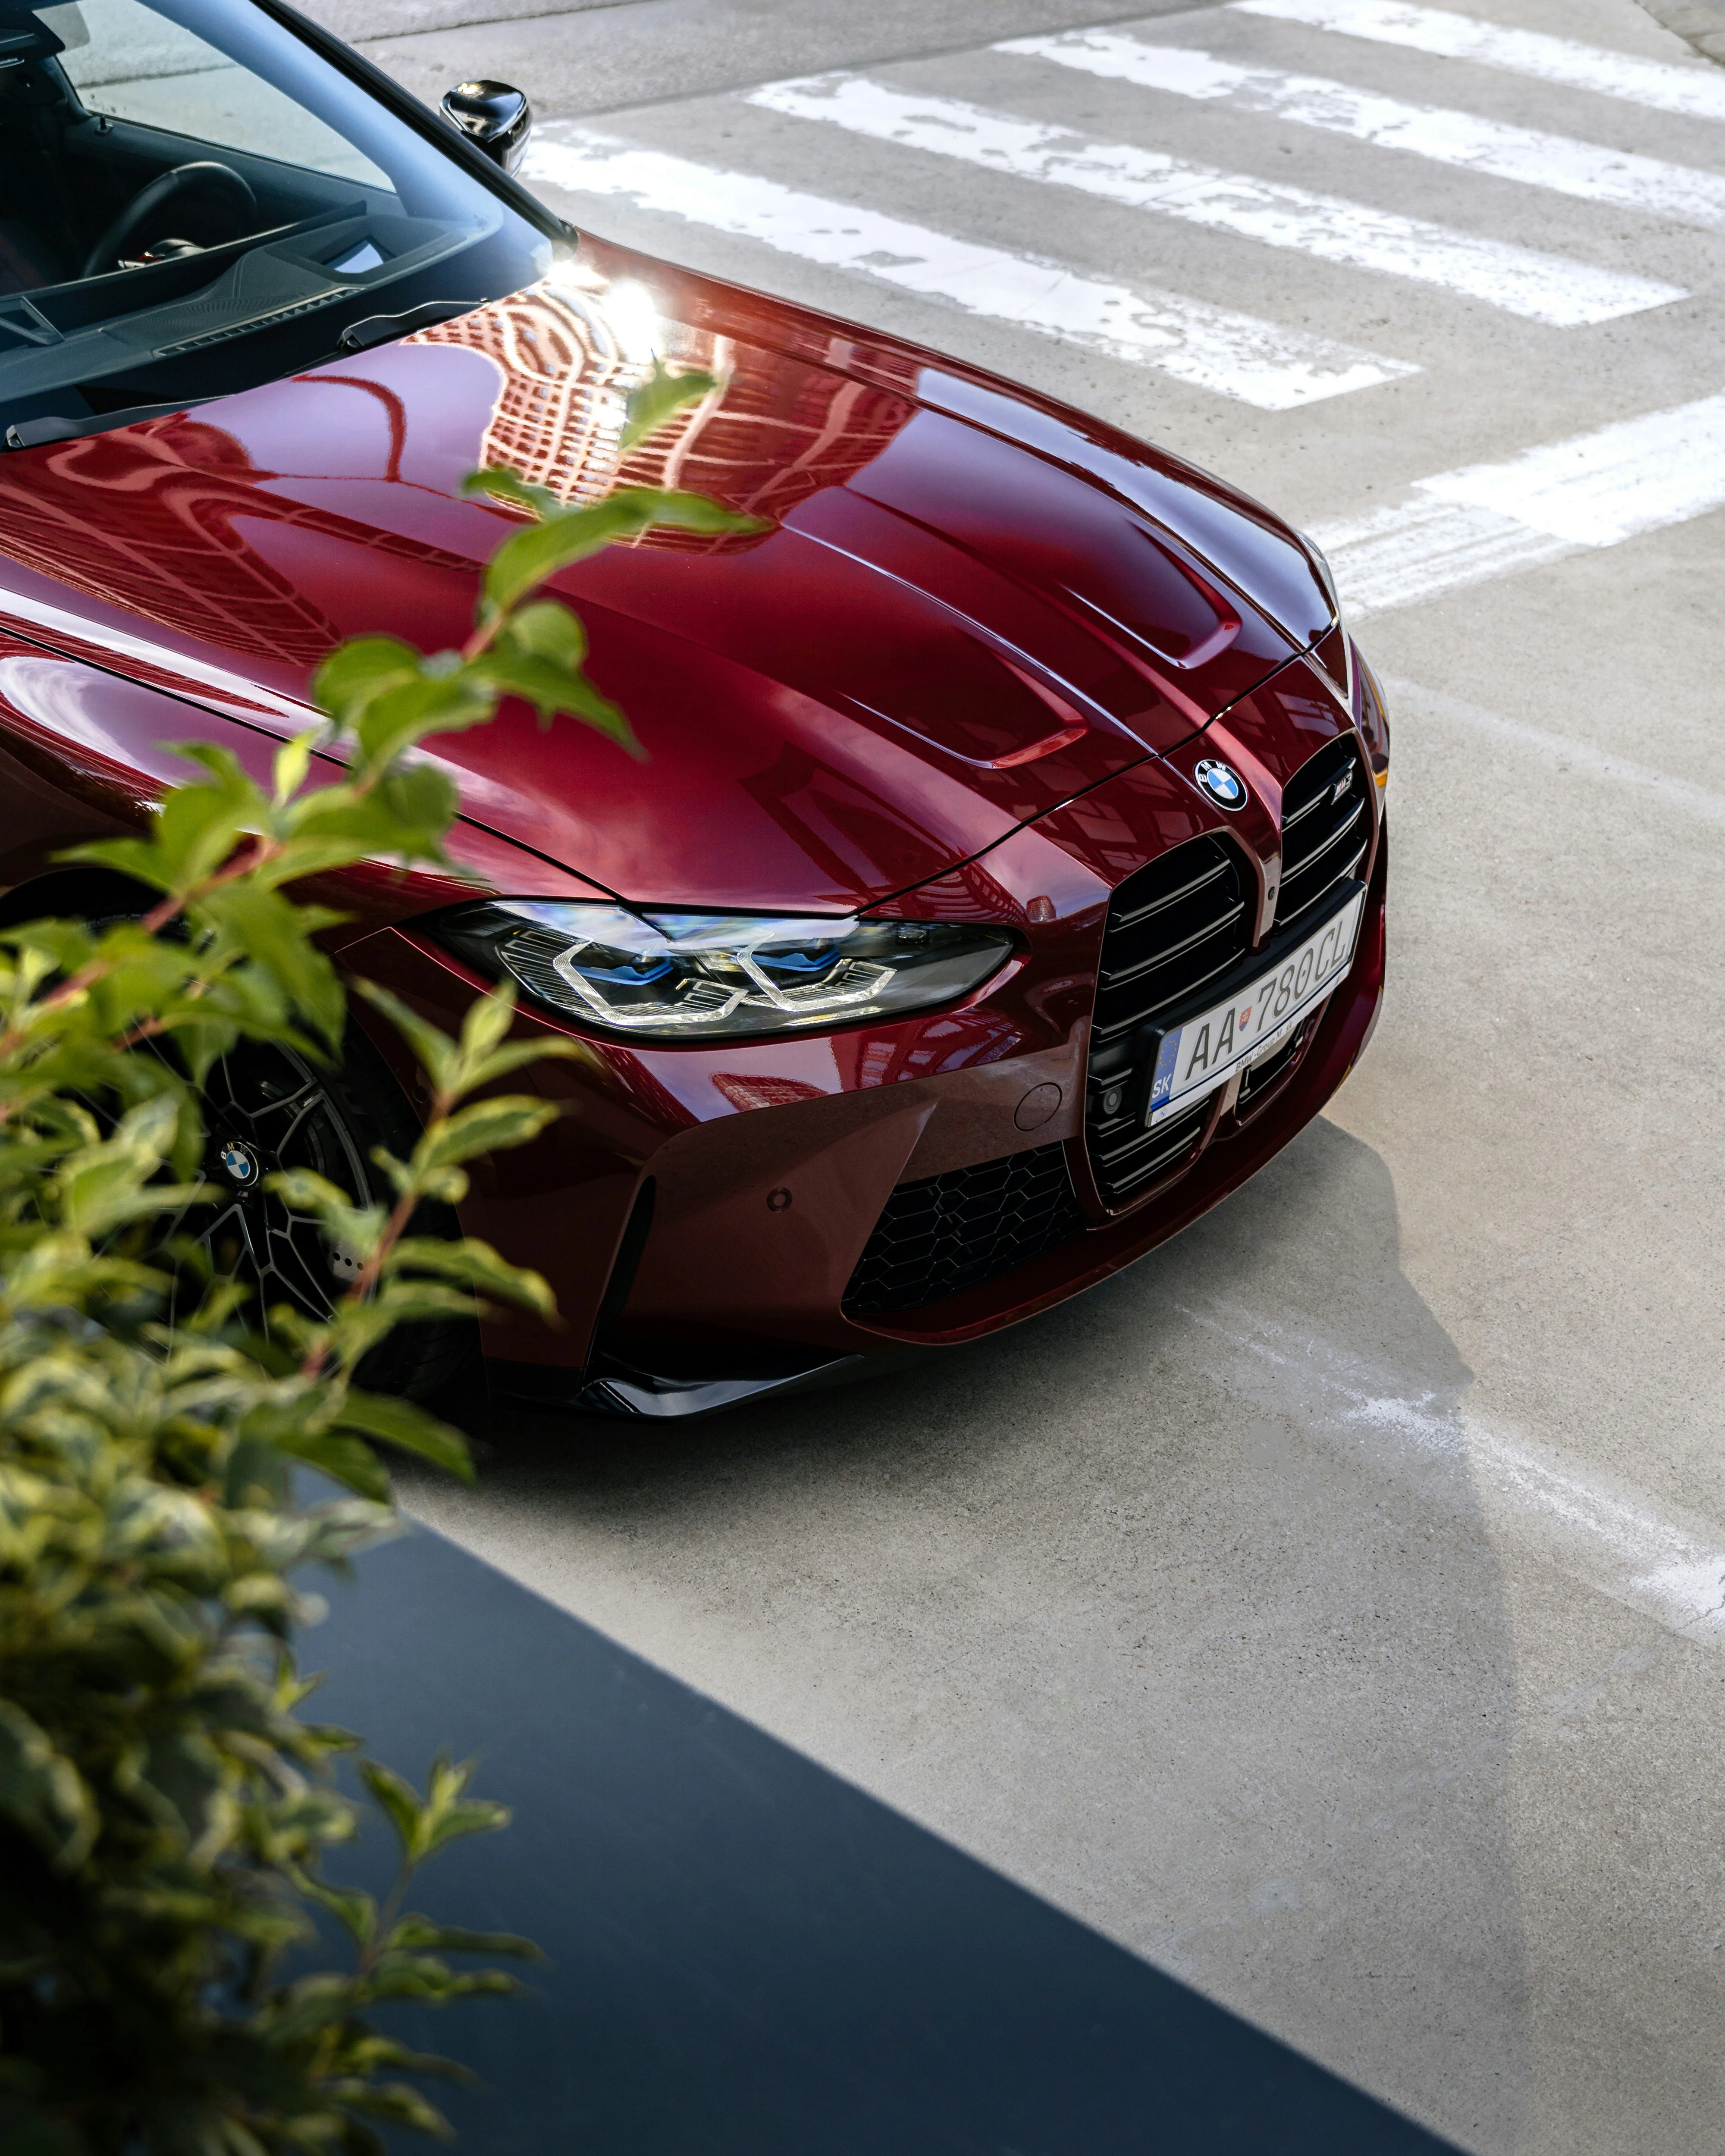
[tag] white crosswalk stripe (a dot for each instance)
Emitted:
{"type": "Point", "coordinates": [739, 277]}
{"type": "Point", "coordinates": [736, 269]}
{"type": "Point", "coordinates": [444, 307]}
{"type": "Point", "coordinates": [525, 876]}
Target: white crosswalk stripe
{"type": "Point", "coordinates": [1590, 171]}
{"type": "Point", "coordinates": [1545, 288]}
{"type": "Point", "coordinates": [1490, 520]}
{"type": "Point", "coordinates": [1240, 356]}
{"type": "Point", "coordinates": [1696, 90]}
{"type": "Point", "coordinates": [1448, 531]}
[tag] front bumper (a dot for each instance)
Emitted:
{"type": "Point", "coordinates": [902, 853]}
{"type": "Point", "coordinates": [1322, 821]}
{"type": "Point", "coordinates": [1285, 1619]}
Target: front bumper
{"type": "Point", "coordinates": [701, 1213]}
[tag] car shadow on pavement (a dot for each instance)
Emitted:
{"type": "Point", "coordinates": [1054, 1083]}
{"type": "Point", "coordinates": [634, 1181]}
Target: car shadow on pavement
{"type": "Point", "coordinates": [1175, 1605]}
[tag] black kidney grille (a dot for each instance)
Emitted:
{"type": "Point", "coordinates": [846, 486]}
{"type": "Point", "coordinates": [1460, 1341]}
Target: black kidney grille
{"type": "Point", "coordinates": [1124, 1155]}
{"type": "Point", "coordinates": [1326, 827]}
{"type": "Point", "coordinates": [1172, 927]}
{"type": "Point", "coordinates": [943, 1234]}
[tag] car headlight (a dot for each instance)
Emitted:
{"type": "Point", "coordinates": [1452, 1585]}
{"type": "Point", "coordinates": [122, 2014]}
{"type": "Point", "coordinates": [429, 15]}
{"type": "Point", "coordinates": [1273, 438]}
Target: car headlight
{"type": "Point", "coordinates": [720, 976]}
{"type": "Point", "coordinates": [1374, 722]}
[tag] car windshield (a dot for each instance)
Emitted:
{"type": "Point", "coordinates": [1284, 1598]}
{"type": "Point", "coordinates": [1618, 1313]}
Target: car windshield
{"type": "Point", "coordinates": [193, 200]}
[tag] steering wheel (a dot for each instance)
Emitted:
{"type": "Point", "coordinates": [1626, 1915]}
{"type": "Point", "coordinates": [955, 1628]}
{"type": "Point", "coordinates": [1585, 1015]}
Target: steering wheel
{"type": "Point", "coordinates": [226, 207]}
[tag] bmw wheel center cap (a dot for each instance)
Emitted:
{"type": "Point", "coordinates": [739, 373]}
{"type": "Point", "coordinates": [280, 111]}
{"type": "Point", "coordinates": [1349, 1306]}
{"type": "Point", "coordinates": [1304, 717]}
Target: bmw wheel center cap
{"type": "Point", "coordinates": [1222, 782]}
{"type": "Point", "coordinates": [240, 1163]}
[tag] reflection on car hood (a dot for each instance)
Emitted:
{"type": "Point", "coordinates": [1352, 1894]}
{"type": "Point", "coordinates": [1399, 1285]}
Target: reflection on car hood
{"type": "Point", "coordinates": [963, 606]}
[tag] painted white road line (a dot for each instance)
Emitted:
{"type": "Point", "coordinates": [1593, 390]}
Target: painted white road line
{"type": "Point", "coordinates": [1590, 171]}
{"type": "Point", "coordinates": [1651, 1558]}
{"type": "Point", "coordinates": [1408, 552]}
{"type": "Point", "coordinates": [1595, 488]}
{"type": "Point", "coordinates": [1210, 347]}
{"type": "Point", "coordinates": [1545, 288]}
{"type": "Point", "coordinates": [1491, 520]}
{"type": "Point", "coordinates": [1559, 751]}
{"type": "Point", "coordinates": [1696, 89]}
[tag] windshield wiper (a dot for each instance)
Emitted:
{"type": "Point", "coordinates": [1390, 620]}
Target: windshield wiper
{"type": "Point", "coordinates": [30, 433]}
{"type": "Point", "coordinates": [379, 329]}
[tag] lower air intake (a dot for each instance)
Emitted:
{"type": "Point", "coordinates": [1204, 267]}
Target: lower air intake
{"type": "Point", "coordinates": [951, 1232]}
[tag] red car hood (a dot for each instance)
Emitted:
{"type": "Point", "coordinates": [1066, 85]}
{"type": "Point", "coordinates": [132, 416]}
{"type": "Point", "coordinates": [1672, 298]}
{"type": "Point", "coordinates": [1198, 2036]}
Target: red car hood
{"type": "Point", "coordinates": [966, 607]}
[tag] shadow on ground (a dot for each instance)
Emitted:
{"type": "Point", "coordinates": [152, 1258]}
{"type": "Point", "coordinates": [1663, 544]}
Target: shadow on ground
{"type": "Point", "coordinates": [1175, 1605]}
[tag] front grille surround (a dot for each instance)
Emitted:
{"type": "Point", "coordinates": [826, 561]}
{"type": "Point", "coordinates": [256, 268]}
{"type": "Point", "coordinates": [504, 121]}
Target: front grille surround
{"type": "Point", "coordinates": [1176, 929]}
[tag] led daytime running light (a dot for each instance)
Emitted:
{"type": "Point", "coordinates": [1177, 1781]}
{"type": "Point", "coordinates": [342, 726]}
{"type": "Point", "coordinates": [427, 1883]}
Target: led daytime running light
{"type": "Point", "coordinates": [702, 975]}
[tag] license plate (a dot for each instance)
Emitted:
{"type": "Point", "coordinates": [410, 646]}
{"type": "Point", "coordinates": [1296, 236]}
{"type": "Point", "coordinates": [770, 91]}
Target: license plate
{"type": "Point", "coordinates": [1199, 1055]}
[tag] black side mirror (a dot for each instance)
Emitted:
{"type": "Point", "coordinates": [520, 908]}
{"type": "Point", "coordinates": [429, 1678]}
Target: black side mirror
{"type": "Point", "coordinates": [497, 117]}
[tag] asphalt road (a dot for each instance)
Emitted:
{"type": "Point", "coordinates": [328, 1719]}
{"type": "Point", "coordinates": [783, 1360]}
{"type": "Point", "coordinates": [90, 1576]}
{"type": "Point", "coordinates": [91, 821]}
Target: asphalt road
{"type": "Point", "coordinates": [1332, 1608]}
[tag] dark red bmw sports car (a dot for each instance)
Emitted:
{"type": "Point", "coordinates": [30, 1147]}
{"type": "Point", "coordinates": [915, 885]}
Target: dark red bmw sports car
{"type": "Point", "coordinates": [1004, 883]}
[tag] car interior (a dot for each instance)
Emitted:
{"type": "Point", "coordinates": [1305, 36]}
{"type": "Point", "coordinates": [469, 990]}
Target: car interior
{"type": "Point", "coordinates": [193, 200]}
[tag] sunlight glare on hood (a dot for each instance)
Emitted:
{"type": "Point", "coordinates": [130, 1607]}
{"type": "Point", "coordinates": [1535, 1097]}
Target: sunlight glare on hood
{"type": "Point", "coordinates": [633, 315]}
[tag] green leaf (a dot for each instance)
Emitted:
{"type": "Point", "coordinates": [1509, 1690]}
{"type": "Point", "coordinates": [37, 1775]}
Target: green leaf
{"type": "Point", "coordinates": [550, 631]}
{"type": "Point", "coordinates": [434, 1051]}
{"type": "Point", "coordinates": [357, 1912]}
{"type": "Point", "coordinates": [519, 1055]}
{"type": "Point", "coordinates": [663, 393]}
{"type": "Point", "coordinates": [493, 1125]}
{"type": "Point", "coordinates": [504, 485]}
{"type": "Point", "coordinates": [347, 1461]}
{"type": "Point", "coordinates": [412, 1428]}
{"type": "Point", "coordinates": [446, 1814]}
{"type": "Point", "coordinates": [100, 1187]}
{"type": "Point", "coordinates": [354, 1228]}
{"type": "Point", "coordinates": [277, 935]}
{"type": "Point", "coordinates": [435, 1982]}
{"type": "Point", "coordinates": [197, 826]}
{"type": "Point", "coordinates": [398, 2105]}
{"type": "Point", "coordinates": [477, 1267]}
{"type": "Point", "coordinates": [450, 1814]}
{"type": "Point", "coordinates": [293, 760]}
{"type": "Point", "coordinates": [309, 2005]}
{"type": "Point", "coordinates": [358, 672]}
{"type": "Point", "coordinates": [528, 559]}
{"type": "Point", "coordinates": [401, 718]}
{"type": "Point", "coordinates": [413, 1931]}
{"type": "Point", "coordinates": [397, 1301]}
{"type": "Point", "coordinates": [554, 693]}
{"type": "Point", "coordinates": [403, 815]}
{"type": "Point", "coordinates": [484, 1023]}
{"type": "Point", "coordinates": [399, 1802]}
{"type": "Point", "coordinates": [42, 1792]}
{"type": "Point", "coordinates": [366, 2051]}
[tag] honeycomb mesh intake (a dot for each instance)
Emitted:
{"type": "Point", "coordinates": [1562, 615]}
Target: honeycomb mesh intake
{"type": "Point", "coordinates": [951, 1232]}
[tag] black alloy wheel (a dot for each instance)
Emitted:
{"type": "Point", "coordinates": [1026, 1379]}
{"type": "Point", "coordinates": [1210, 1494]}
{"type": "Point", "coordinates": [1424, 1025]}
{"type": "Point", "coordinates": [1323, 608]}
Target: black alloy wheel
{"type": "Point", "coordinates": [266, 1108]}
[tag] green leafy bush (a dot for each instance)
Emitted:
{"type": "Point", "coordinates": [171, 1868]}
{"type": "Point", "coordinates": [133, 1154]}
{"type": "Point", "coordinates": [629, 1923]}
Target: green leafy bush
{"type": "Point", "coordinates": [164, 1807]}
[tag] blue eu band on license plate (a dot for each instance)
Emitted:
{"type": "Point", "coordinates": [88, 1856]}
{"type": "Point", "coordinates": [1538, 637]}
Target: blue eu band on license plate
{"type": "Point", "coordinates": [1198, 1056]}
